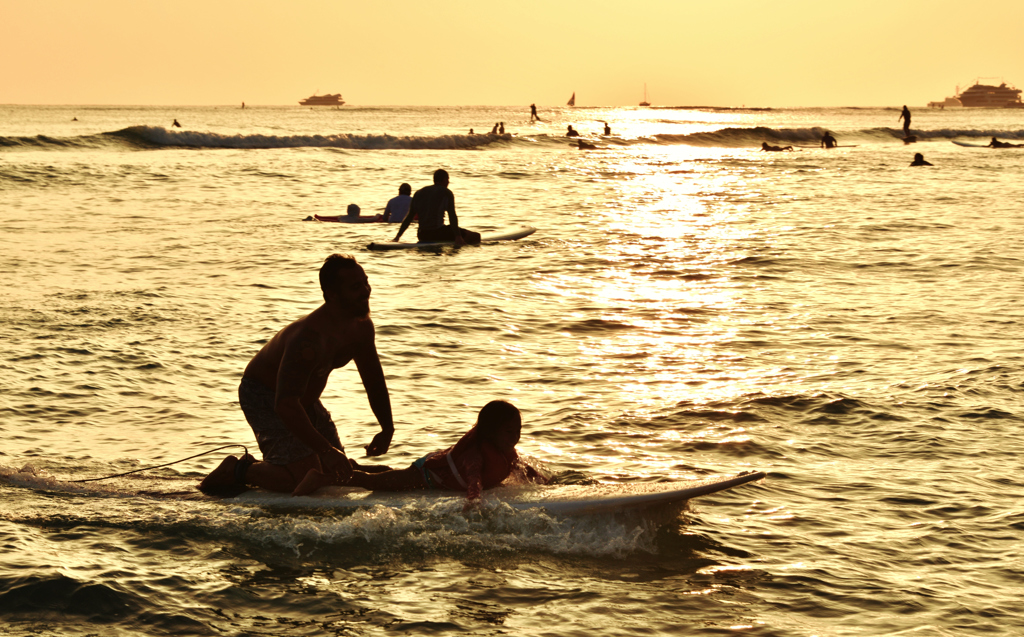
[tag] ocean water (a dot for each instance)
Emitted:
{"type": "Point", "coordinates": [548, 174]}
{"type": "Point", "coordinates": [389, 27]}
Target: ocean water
{"type": "Point", "coordinates": [688, 308]}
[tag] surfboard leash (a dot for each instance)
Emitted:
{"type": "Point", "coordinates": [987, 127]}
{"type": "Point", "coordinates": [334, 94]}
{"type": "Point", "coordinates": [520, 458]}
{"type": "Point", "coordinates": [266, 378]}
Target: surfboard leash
{"type": "Point", "coordinates": [160, 466]}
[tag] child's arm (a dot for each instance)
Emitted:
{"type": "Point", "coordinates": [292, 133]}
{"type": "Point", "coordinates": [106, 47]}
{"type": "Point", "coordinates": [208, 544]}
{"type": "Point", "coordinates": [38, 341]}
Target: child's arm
{"type": "Point", "coordinates": [474, 473]}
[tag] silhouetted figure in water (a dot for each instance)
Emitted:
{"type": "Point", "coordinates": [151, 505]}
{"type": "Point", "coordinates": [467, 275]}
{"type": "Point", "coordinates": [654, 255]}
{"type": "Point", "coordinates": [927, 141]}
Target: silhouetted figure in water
{"type": "Point", "coordinates": [919, 160]}
{"type": "Point", "coordinates": [572, 132]}
{"type": "Point", "coordinates": [494, 131]}
{"type": "Point", "coordinates": [501, 128]}
{"type": "Point", "coordinates": [176, 124]}
{"type": "Point", "coordinates": [905, 116]}
{"type": "Point", "coordinates": [429, 206]}
{"type": "Point", "coordinates": [995, 143]}
{"type": "Point", "coordinates": [243, 104]}
{"type": "Point", "coordinates": [75, 119]}
{"type": "Point", "coordinates": [765, 146]}
{"type": "Point", "coordinates": [533, 113]}
{"type": "Point", "coordinates": [607, 129]}
{"type": "Point", "coordinates": [471, 132]}
{"type": "Point", "coordinates": [582, 145]}
{"type": "Point", "coordinates": [827, 141]}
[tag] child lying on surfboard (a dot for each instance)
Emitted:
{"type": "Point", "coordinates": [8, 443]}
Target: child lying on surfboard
{"type": "Point", "coordinates": [481, 459]}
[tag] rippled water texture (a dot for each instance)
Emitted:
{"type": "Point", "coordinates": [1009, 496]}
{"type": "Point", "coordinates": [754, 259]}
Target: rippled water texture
{"type": "Point", "coordinates": [689, 307]}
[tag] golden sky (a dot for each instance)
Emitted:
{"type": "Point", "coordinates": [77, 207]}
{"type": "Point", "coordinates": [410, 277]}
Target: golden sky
{"type": "Point", "coordinates": [436, 52]}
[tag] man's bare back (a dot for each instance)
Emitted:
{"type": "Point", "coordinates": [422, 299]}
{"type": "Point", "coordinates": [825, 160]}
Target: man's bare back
{"type": "Point", "coordinates": [282, 384]}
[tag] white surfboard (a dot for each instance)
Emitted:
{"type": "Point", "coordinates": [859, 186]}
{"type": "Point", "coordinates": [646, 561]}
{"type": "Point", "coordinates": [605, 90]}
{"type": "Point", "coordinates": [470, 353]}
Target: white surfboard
{"type": "Point", "coordinates": [970, 145]}
{"type": "Point", "coordinates": [525, 231]}
{"type": "Point", "coordinates": [557, 499]}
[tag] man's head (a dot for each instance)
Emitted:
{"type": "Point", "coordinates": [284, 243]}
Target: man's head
{"type": "Point", "coordinates": [352, 210]}
{"type": "Point", "coordinates": [343, 281]}
{"type": "Point", "coordinates": [405, 189]}
{"type": "Point", "coordinates": [441, 177]}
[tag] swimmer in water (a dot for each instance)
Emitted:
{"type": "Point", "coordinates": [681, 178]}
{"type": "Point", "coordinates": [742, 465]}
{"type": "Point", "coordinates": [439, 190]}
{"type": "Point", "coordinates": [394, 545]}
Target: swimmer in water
{"type": "Point", "coordinates": [919, 160]}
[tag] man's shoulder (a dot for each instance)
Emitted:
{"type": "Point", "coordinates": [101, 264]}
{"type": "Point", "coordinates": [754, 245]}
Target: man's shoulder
{"type": "Point", "coordinates": [431, 189]}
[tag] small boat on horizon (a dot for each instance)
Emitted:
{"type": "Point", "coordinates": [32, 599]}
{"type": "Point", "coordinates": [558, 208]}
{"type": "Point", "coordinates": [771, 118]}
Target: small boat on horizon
{"type": "Point", "coordinates": [572, 100]}
{"type": "Point", "coordinates": [331, 99]}
{"type": "Point", "coordinates": [645, 102]}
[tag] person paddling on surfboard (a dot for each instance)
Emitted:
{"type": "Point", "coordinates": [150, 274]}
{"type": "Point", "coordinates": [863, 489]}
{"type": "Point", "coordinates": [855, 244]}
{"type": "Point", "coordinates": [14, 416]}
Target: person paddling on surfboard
{"type": "Point", "coordinates": [483, 458]}
{"type": "Point", "coordinates": [429, 205]}
{"type": "Point", "coordinates": [281, 387]}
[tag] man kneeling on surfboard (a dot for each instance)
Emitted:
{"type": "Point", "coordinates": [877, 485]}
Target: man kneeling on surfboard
{"type": "Point", "coordinates": [281, 388]}
{"type": "Point", "coordinates": [429, 204]}
{"type": "Point", "coordinates": [481, 459]}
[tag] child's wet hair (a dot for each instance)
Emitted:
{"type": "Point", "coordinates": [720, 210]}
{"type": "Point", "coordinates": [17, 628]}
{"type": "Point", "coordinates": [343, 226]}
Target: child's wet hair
{"type": "Point", "coordinates": [494, 414]}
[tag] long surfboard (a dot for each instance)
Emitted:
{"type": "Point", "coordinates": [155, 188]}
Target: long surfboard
{"type": "Point", "coordinates": [525, 231]}
{"type": "Point", "coordinates": [556, 499]}
{"type": "Point", "coordinates": [970, 145]}
{"type": "Point", "coordinates": [348, 219]}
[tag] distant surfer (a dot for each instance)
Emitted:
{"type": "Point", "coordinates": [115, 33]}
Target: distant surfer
{"type": "Point", "coordinates": [75, 119]}
{"type": "Point", "coordinates": [995, 143]}
{"type": "Point", "coordinates": [774, 149]}
{"type": "Point", "coordinates": [533, 113]}
{"type": "Point", "coordinates": [494, 131]}
{"type": "Point", "coordinates": [572, 132]}
{"type": "Point", "coordinates": [827, 141]}
{"type": "Point", "coordinates": [471, 132]}
{"type": "Point", "coordinates": [919, 160]}
{"type": "Point", "coordinates": [582, 145]}
{"type": "Point", "coordinates": [429, 205]}
{"type": "Point", "coordinates": [243, 105]}
{"type": "Point", "coordinates": [482, 459]}
{"type": "Point", "coordinates": [352, 215]}
{"type": "Point", "coordinates": [607, 129]}
{"type": "Point", "coordinates": [176, 124]}
{"type": "Point", "coordinates": [905, 116]}
{"type": "Point", "coordinates": [501, 128]}
{"type": "Point", "coordinates": [398, 207]}
{"type": "Point", "coordinates": [281, 387]}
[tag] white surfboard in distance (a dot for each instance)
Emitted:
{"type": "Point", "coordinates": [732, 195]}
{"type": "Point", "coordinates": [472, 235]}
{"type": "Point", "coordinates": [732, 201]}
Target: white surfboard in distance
{"type": "Point", "coordinates": [525, 231]}
{"type": "Point", "coordinates": [555, 499]}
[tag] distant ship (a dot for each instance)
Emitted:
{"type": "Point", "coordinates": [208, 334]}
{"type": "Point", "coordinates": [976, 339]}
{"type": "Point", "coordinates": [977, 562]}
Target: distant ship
{"type": "Point", "coordinates": [645, 102]}
{"type": "Point", "coordinates": [331, 99]}
{"type": "Point", "coordinates": [572, 100]}
{"type": "Point", "coordinates": [983, 96]}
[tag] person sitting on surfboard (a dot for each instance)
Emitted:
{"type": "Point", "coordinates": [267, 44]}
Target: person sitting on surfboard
{"type": "Point", "coordinates": [572, 132]}
{"type": "Point", "coordinates": [765, 146]}
{"type": "Point", "coordinates": [281, 387]}
{"type": "Point", "coordinates": [398, 207]}
{"type": "Point", "coordinates": [827, 141]}
{"type": "Point", "coordinates": [429, 205]}
{"type": "Point", "coordinates": [481, 459]}
{"type": "Point", "coordinates": [919, 160]}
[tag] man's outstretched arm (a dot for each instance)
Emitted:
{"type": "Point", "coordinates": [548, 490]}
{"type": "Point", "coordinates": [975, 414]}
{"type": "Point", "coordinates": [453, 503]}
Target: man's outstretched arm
{"type": "Point", "coordinates": [372, 375]}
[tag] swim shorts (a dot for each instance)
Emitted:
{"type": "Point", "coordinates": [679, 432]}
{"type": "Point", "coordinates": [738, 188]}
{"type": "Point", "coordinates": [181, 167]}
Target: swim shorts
{"type": "Point", "coordinates": [277, 443]}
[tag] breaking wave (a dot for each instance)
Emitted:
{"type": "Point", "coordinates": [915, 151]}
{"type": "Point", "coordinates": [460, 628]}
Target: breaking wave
{"type": "Point", "coordinates": [157, 137]}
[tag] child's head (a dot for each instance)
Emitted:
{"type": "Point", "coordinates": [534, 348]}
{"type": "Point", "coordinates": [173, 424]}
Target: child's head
{"type": "Point", "coordinates": [499, 423]}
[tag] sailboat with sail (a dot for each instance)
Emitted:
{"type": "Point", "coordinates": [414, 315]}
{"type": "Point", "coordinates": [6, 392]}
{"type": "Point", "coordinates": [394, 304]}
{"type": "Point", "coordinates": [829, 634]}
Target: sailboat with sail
{"type": "Point", "coordinates": [645, 102]}
{"type": "Point", "coordinates": [572, 100]}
